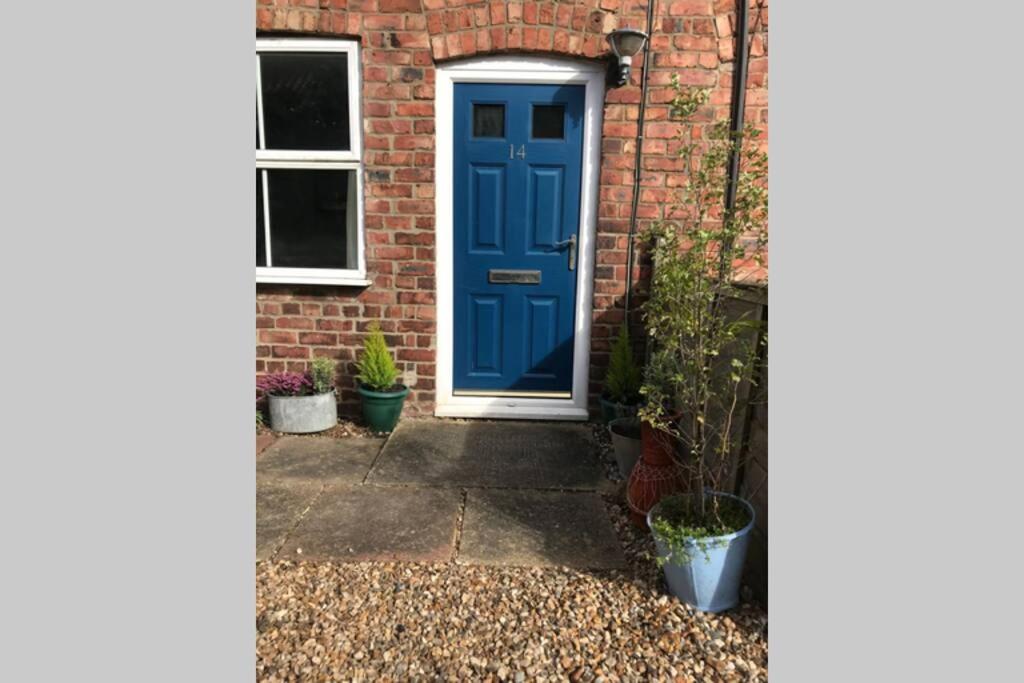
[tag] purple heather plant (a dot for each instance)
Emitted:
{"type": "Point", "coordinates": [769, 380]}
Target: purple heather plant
{"type": "Point", "coordinates": [285, 384]}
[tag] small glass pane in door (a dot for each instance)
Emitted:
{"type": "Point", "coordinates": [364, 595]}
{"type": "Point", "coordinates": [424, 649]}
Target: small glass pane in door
{"type": "Point", "coordinates": [548, 121]}
{"type": "Point", "coordinates": [488, 120]}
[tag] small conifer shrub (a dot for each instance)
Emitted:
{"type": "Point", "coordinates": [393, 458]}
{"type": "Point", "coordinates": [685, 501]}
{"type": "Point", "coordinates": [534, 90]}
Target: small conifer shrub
{"type": "Point", "coordinates": [623, 381]}
{"type": "Point", "coordinates": [377, 371]}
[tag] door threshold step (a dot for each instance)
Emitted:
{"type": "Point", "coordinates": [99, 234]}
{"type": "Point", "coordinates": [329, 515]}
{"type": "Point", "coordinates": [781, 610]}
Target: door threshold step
{"type": "Point", "coordinates": [512, 394]}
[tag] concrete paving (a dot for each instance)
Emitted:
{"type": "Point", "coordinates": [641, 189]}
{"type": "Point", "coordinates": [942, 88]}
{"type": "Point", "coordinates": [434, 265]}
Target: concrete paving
{"type": "Point", "coordinates": [529, 492]}
{"type": "Point", "coordinates": [356, 523]}
{"type": "Point", "coordinates": [538, 528]}
{"type": "Point", "coordinates": [329, 461]}
{"type": "Point", "coordinates": [545, 455]}
{"type": "Point", "coordinates": [279, 506]}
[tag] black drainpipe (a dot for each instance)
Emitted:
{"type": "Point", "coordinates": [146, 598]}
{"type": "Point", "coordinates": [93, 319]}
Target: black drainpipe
{"type": "Point", "coordinates": [739, 97]}
{"type": "Point", "coordinates": [636, 161]}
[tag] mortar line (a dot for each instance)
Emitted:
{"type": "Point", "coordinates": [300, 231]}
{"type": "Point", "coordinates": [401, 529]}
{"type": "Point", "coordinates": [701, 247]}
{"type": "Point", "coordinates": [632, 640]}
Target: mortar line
{"type": "Point", "coordinates": [376, 458]}
{"type": "Point", "coordinates": [302, 516]}
{"type": "Point", "coordinates": [460, 520]}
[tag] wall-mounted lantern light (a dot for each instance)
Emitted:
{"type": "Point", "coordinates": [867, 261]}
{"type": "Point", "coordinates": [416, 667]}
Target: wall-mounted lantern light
{"type": "Point", "coordinates": [625, 43]}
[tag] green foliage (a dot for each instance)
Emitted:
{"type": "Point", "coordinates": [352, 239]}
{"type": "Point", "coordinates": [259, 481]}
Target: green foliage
{"type": "Point", "coordinates": [377, 370]}
{"type": "Point", "coordinates": [680, 524]}
{"type": "Point", "coordinates": [703, 352]}
{"type": "Point", "coordinates": [622, 383]}
{"type": "Point", "coordinates": [259, 418]}
{"type": "Point", "coordinates": [322, 373]}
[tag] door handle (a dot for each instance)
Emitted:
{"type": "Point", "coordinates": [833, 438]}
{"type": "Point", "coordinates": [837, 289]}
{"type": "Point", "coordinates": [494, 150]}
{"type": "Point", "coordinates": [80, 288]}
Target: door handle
{"type": "Point", "coordinates": [571, 243]}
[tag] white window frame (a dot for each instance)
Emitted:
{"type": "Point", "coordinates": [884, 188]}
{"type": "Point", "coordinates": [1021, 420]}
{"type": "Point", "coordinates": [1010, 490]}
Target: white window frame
{"type": "Point", "coordinates": [351, 160]}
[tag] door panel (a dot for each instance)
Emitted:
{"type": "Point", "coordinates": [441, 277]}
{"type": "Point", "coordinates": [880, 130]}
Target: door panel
{"type": "Point", "coordinates": [542, 336]}
{"type": "Point", "coordinates": [488, 201]}
{"type": "Point", "coordinates": [487, 329]}
{"type": "Point", "coordinates": [544, 199]}
{"type": "Point", "coordinates": [517, 172]}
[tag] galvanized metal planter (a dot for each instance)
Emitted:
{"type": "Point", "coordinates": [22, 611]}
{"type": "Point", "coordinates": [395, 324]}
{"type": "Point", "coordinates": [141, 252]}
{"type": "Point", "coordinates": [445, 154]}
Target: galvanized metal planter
{"type": "Point", "coordinates": [303, 414]}
{"type": "Point", "coordinates": [710, 580]}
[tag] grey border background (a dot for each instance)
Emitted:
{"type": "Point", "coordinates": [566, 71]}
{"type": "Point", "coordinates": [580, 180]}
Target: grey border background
{"type": "Point", "coordinates": [895, 341]}
{"type": "Point", "coordinates": [127, 493]}
{"type": "Point", "coordinates": [128, 484]}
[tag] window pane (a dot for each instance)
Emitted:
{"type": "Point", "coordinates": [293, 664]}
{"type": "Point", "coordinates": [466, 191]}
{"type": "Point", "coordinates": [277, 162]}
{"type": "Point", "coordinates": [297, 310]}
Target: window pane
{"type": "Point", "coordinates": [305, 101]}
{"type": "Point", "coordinates": [261, 236]}
{"type": "Point", "coordinates": [309, 218]}
{"type": "Point", "coordinates": [488, 120]}
{"type": "Point", "coordinates": [549, 121]}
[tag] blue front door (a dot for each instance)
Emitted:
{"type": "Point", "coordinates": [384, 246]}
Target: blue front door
{"type": "Point", "coordinates": [517, 165]}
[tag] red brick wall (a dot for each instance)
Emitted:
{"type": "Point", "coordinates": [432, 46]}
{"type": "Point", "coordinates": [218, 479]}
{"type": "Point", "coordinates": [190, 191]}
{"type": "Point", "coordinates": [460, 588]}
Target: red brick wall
{"type": "Point", "coordinates": [402, 40]}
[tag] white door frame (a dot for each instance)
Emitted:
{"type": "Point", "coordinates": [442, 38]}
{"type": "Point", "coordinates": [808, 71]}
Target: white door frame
{"type": "Point", "coordinates": [541, 70]}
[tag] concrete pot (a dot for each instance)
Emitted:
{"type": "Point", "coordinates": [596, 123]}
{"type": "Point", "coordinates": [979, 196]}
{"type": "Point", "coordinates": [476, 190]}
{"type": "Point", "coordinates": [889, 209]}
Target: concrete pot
{"type": "Point", "coordinates": [303, 414]}
{"type": "Point", "coordinates": [710, 580]}
{"type": "Point", "coordinates": [610, 410]}
{"type": "Point", "coordinates": [381, 409]}
{"type": "Point", "coordinates": [625, 433]}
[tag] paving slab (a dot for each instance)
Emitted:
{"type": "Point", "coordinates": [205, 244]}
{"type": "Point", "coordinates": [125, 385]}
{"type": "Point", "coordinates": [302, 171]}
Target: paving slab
{"type": "Point", "coordinates": [322, 459]}
{"type": "Point", "coordinates": [538, 528]}
{"type": "Point", "coordinates": [264, 440]}
{"type": "Point", "coordinates": [279, 506]}
{"type": "Point", "coordinates": [360, 523]}
{"type": "Point", "coordinates": [539, 455]}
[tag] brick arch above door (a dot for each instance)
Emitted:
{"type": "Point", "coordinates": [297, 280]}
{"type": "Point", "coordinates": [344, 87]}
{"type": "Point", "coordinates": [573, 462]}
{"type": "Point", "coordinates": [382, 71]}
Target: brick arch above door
{"type": "Point", "coordinates": [461, 28]}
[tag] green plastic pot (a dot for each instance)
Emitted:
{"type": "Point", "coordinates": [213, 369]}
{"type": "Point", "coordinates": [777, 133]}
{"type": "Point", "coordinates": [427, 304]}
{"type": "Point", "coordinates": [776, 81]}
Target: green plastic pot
{"type": "Point", "coordinates": [611, 410]}
{"type": "Point", "coordinates": [381, 409]}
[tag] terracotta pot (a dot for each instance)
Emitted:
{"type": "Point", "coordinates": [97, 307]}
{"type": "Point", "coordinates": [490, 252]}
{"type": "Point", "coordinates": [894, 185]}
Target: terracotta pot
{"type": "Point", "coordinates": [657, 447]}
{"type": "Point", "coordinates": [655, 474]}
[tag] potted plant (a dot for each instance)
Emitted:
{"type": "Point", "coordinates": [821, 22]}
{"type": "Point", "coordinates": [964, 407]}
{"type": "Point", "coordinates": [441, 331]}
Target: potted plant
{"type": "Point", "coordinates": [382, 395]}
{"type": "Point", "coordinates": [625, 433]}
{"type": "Point", "coordinates": [702, 555]}
{"type": "Point", "coordinates": [656, 474]}
{"type": "Point", "coordinates": [621, 395]}
{"type": "Point", "coordinates": [301, 403]}
{"type": "Point", "coordinates": [702, 367]}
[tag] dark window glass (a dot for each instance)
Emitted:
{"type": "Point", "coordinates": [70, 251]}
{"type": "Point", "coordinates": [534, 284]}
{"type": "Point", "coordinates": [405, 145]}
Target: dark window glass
{"type": "Point", "coordinates": [261, 236]}
{"type": "Point", "coordinates": [305, 101]}
{"type": "Point", "coordinates": [308, 219]}
{"type": "Point", "coordinates": [549, 121]}
{"type": "Point", "coordinates": [488, 120]}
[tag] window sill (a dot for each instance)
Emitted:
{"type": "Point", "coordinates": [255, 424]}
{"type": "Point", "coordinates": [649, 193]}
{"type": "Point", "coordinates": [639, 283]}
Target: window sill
{"type": "Point", "coordinates": [313, 279]}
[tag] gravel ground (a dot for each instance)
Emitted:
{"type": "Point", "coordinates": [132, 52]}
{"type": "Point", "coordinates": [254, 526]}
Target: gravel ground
{"type": "Point", "coordinates": [410, 621]}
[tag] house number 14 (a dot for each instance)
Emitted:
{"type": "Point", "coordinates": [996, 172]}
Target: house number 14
{"type": "Point", "coordinates": [512, 153]}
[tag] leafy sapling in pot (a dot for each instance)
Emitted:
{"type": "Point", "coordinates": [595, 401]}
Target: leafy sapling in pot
{"type": "Point", "coordinates": [382, 395]}
{"type": "Point", "coordinates": [706, 347]}
{"type": "Point", "coordinates": [301, 402]}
